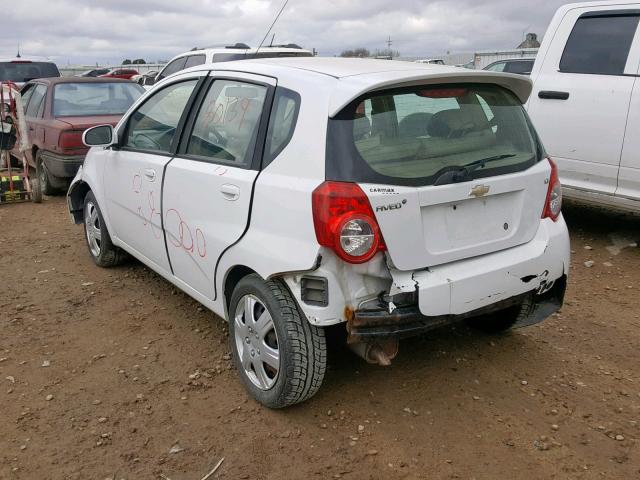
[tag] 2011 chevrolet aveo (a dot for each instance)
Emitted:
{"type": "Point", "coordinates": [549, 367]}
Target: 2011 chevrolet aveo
{"type": "Point", "coordinates": [288, 195]}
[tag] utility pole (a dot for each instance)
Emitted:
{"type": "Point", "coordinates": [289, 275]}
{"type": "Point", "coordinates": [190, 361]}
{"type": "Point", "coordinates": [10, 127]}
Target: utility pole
{"type": "Point", "coordinates": [389, 42]}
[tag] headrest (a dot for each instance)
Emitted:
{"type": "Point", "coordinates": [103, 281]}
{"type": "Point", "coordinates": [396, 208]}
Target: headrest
{"type": "Point", "coordinates": [446, 121]}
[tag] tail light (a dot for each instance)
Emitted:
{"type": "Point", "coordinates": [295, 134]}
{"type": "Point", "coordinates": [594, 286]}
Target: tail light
{"type": "Point", "coordinates": [344, 221]}
{"type": "Point", "coordinates": [553, 205]}
{"type": "Point", "coordinates": [70, 140]}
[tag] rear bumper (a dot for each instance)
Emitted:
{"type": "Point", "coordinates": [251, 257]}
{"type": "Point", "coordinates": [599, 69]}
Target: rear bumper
{"type": "Point", "coordinates": [407, 321]}
{"type": "Point", "coordinates": [62, 166]}
{"type": "Point", "coordinates": [467, 285]}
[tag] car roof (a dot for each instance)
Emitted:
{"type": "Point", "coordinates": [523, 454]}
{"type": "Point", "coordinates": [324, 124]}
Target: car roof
{"type": "Point", "coordinates": [59, 80]}
{"type": "Point", "coordinates": [25, 59]}
{"type": "Point", "coordinates": [353, 77]}
{"type": "Point", "coordinates": [517, 59]}
{"type": "Point", "coordinates": [246, 51]}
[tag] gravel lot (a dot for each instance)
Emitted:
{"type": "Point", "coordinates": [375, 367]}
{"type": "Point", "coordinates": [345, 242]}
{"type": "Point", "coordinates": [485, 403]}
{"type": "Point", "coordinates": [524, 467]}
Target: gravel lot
{"type": "Point", "coordinates": [115, 374]}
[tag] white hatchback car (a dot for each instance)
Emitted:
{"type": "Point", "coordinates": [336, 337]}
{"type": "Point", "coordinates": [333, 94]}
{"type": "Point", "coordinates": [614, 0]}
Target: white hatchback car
{"type": "Point", "coordinates": [288, 195]}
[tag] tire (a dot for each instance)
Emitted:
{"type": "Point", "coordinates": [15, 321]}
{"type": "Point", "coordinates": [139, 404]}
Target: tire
{"type": "Point", "coordinates": [503, 320]}
{"type": "Point", "coordinates": [36, 189]}
{"type": "Point", "coordinates": [102, 251]}
{"type": "Point", "coordinates": [44, 176]}
{"type": "Point", "coordinates": [300, 348]}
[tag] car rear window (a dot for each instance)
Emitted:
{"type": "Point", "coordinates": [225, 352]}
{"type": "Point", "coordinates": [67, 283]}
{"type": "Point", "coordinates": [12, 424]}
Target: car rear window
{"type": "Point", "coordinates": [429, 135]}
{"type": "Point", "coordinates": [101, 98]}
{"type": "Point", "coordinates": [24, 71]}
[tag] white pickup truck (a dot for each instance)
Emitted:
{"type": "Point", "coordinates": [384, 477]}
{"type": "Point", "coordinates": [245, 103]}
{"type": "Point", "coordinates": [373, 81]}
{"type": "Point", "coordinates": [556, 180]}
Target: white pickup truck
{"type": "Point", "coordinates": [585, 103]}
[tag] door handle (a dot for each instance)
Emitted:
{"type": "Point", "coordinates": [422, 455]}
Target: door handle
{"type": "Point", "coordinates": [230, 192]}
{"type": "Point", "coordinates": [150, 174]}
{"type": "Point", "coordinates": [553, 95]}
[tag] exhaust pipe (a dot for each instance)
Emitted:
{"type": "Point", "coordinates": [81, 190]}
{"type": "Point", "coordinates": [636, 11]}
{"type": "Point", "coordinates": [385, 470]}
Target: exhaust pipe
{"type": "Point", "coordinates": [376, 352]}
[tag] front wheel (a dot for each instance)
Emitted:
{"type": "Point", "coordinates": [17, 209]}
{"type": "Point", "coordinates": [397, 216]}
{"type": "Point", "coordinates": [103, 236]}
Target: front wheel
{"type": "Point", "coordinates": [102, 251]}
{"type": "Point", "coordinates": [280, 356]}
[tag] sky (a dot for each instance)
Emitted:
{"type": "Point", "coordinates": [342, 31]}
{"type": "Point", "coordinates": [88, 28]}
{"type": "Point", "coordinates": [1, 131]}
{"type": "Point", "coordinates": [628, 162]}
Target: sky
{"type": "Point", "coordinates": [108, 31]}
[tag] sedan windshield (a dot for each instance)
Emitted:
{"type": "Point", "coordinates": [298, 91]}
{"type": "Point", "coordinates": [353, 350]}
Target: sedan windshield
{"type": "Point", "coordinates": [18, 71]}
{"type": "Point", "coordinates": [87, 99]}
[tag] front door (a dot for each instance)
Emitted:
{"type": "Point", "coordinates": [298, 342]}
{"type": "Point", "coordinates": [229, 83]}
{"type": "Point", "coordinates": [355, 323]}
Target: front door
{"type": "Point", "coordinates": [208, 186]}
{"type": "Point", "coordinates": [134, 172]}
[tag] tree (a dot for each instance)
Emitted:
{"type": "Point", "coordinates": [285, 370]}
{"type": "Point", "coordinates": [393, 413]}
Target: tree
{"type": "Point", "coordinates": [356, 52]}
{"type": "Point", "coordinates": [126, 62]}
{"type": "Point", "coordinates": [139, 61]}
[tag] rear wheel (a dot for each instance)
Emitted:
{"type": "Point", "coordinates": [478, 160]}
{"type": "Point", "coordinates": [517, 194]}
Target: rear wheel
{"type": "Point", "coordinates": [44, 176]}
{"type": "Point", "coordinates": [280, 357]}
{"type": "Point", "coordinates": [102, 251]}
{"type": "Point", "coordinates": [36, 189]}
{"type": "Point", "coordinates": [503, 320]}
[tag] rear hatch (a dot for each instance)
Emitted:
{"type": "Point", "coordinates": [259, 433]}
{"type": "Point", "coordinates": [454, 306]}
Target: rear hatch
{"type": "Point", "coordinates": [451, 172]}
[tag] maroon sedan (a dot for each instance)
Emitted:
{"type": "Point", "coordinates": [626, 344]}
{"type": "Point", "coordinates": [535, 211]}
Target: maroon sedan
{"type": "Point", "coordinates": [125, 73]}
{"type": "Point", "coordinates": [58, 111]}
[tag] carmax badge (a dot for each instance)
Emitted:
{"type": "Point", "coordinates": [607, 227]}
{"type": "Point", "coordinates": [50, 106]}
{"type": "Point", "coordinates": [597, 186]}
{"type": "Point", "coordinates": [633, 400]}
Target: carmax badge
{"type": "Point", "coordinates": [479, 191]}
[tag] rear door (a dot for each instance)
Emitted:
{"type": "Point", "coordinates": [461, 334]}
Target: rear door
{"type": "Point", "coordinates": [208, 186]}
{"type": "Point", "coordinates": [581, 95]}
{"type": "Point", "coordinates": [629, 175]}
{"type": "Point", "coordinates": [33, 114]}
{"type": "Point", "coordinates": [133, 173]}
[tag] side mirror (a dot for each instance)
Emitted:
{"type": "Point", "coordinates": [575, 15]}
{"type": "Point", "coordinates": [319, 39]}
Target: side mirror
{"type": "Point", "coordinates": [148, 81]}
{"type": "Point", "coordinates": [99, 136]}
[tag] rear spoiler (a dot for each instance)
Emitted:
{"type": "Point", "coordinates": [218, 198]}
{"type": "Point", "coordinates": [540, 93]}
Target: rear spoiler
{"type": "Point", "coordinates": [351, 87]}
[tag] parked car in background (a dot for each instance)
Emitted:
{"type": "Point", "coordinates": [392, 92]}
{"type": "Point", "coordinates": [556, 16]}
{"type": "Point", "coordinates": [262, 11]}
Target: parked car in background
{"type": "Point", "coordinates": [238, 51]}
{"type": "Point", "coordinates": [432, 61]}
{"type": "Point", "coordinates": [58, 110]}
{"type": "Point", "coordinates": [96, 72]}
{"type": "Point", "coordinates": [586, 101]}
{"type": "Point", "coordinates": [424, 198]}
{"type": "Point", "coordinates": [124, 73]}
{"type": "Point", "coordinates": [521, 66]}
{"type": "Point", "coordinates": [142, 78]}
{"type": "Point", "coordinates": [20, 70]}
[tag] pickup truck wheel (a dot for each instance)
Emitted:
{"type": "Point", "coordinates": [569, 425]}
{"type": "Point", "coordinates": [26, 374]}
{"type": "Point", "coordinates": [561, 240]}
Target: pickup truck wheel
{"type": "Point", "coordinates": [503, 320]}
{"type": "Point", "coordinates": [102, 251]}
{"type": "Point", "coordinates": [280, 356]}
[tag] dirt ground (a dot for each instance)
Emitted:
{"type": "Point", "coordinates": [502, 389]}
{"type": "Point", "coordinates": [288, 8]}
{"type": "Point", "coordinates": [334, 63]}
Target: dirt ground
{"type": "Point", "coordinates": [115, 374]}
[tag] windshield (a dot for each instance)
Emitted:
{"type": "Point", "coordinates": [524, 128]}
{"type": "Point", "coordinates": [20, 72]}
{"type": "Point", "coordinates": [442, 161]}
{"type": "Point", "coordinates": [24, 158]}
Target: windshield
{"type": "Point", "coordinates": [103, 98]}
{"type": "Point", "coordinates": [414, 136]}
{"type": "Point", "coordinates": [17, 71]}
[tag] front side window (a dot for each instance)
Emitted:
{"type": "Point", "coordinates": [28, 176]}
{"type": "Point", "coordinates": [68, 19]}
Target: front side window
{"type": "Point", "coordinates": [36, 100]}
{"type": "Point", "coordinates": [173, 67]}
{"type": "Point", "coordinates": [226, 127]}
{"type": "Point", "coordinates": [431, 135]}
{"type": "Point", "coordinates": [104, 98]}
{"type": "Point", "coordinates": [153, 126]}
{"type": "Point", "coordinates": [193, 60]}
{"type": "Point", "coordinates": [599, 45]}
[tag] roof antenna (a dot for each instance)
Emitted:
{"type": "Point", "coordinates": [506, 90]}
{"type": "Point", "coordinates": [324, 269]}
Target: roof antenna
{"type": "Point", "coordinates": [18, 55]}
{"type": "Point", "coordinates": [272, 38]}
{"type": "Point", "coordinates": [269, 31]}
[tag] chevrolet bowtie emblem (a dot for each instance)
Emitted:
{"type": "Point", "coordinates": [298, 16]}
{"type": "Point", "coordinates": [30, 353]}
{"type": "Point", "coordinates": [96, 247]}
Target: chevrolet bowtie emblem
{"type": "Point", "coordinates": [479, 191]}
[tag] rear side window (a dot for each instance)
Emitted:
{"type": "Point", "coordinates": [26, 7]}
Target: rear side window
{"type": "Point", "coordinates": [153, 126]}
{"type": "Point", "coordinates": [282, 123]}
{"type": "Point", "coordinates": [599, 45]}
{"type": "Point", "coordinates": [36, 101]}
{"type": "Point", "coordinates": [194, 60]}
{"type": "Point", "coordinates": [226, 127]}
{"type": "Point", "coordinates": [431, 135]}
